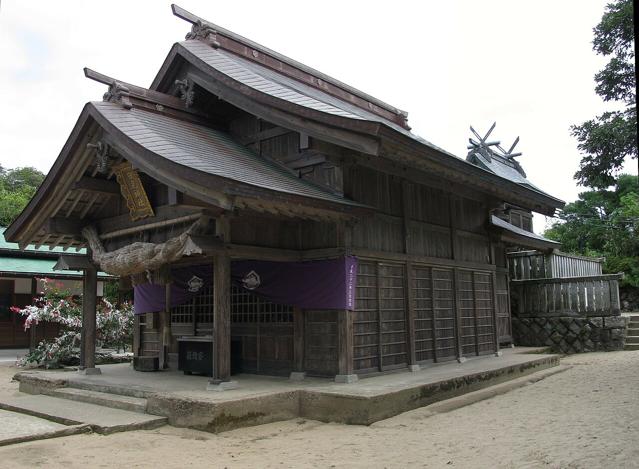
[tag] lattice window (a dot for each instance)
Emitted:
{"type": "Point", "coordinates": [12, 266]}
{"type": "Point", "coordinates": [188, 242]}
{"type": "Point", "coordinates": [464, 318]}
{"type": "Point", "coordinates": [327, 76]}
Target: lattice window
{"type": "Point", "coordinates": [247, 307]}
{"type": "Point", "coordinates": [200, 306]}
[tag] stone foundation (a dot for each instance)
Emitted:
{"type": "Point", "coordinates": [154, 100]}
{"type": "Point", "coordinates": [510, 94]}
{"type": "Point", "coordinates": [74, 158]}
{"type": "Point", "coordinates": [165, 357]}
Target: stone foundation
{"type": "Point", "coordinates": [571, 334]}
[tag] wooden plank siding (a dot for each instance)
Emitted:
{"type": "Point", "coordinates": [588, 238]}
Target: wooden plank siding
{"type": "Point", "coordinates": [527, 265]}
{"type": "Point", "coordinates": [382, 338]}
{"type": "Point", "coordinates": [571, 296]}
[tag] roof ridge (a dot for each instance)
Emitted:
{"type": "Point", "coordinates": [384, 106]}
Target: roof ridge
{"type": "Point", "coordinates": [220, 37]}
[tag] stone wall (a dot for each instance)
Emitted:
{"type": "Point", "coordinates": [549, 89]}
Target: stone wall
{"type": "Point", "coordinates": [571, 334]}
{"type": "Point", "coordinates": [629, 298]}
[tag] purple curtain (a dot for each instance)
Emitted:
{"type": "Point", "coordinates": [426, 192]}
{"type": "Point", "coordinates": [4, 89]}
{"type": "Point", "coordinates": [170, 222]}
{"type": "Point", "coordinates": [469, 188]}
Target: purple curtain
{"type": "Point", "coordinates": [327, 284]}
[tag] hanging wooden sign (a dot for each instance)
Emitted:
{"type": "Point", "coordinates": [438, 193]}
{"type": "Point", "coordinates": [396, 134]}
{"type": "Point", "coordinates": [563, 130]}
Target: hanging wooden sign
{"type": "Point", "coordinates": [133, 191]}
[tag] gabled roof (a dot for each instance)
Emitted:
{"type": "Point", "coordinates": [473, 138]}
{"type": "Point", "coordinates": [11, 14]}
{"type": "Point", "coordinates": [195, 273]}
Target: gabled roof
{"type": "Point", "coordinates": [276, 88]}
{"type": "Point", "coordinates": [208, 151]}
{"type": "Point", "coordinates": [513, 234]}
{"type": "Point", "coordinates": [507, 168]}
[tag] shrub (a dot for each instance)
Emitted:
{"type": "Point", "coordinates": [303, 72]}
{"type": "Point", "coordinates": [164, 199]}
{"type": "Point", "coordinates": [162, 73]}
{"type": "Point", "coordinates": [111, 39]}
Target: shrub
{"type": "Point", "coordinates": [114, 325]}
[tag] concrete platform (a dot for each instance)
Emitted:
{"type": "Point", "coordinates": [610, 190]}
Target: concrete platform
{"type": "Point", "coordinates": [18, 428]}
{"type": "Point", "coordinates": [261, 399]}
{"type": "Point", "coordinates": [69, 413]}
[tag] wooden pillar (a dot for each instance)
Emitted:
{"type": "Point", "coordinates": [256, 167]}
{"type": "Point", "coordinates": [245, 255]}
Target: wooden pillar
{"type": "Point", "coordinates": [345, 347]}
{"type": "Point", "coordinates": [298, 341]}
{"type": "Point", "coordinates": [457, 309]}
{"type": "Point", "coordinates": [136, 335]}
{"type": "Point", "coordinates": [165, 329]}
{"type": "Point", "coordinates": [410, 318]}
{"type": "Point", "coordinates": [222, 318]}
{"type": "Point", "coordinates": [33, 339]}
{"type": "Point", "coordinates": [452, 226]}
{"type": "Point", "coordinates": [493, 282]}
{"type": "Point", "coordinates": [89, 303]}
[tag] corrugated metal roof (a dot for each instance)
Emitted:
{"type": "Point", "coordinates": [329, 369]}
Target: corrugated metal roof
{"type": "Point", "coordinates": [280, 86]}
{"type": "Point", "coordinates": [208, 150]}
{"type": "Point", "coordinates": [498, 222]}
{"type": "Point", "coordinates": [41, 267]}
{"type": "Point", "coordinates": [30, 263]}
{"type": "Point", "coordinates": [4, 244]}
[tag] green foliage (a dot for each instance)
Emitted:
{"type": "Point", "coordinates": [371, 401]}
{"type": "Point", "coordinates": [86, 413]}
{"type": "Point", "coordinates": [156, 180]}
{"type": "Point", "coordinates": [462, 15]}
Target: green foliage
{"type": "Point", "coordinates": [607, 140]}
{"type": "Point", "coordinates": [17, 186]}
{"type": "Point", "coordinates": [604, 223]}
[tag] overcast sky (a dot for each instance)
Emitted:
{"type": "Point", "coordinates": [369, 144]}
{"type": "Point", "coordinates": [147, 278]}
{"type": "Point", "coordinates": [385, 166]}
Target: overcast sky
{"type": "Point", "coordinates": [528, 65]}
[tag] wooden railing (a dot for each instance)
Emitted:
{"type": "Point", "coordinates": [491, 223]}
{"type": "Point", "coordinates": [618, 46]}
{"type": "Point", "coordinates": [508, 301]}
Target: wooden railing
{"type": "Point", "coordinates": [526, 265]}
{"type": "Point", "coordinates": [570, 296]}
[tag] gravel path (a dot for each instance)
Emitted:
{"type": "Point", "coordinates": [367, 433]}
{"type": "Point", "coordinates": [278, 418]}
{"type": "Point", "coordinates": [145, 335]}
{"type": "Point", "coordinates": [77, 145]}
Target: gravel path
{"type": "Point", "coordinates": [585, 417]}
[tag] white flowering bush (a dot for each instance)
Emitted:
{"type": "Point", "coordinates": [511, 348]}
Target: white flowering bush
{"type": "Point", "coordinates": [114, 325]}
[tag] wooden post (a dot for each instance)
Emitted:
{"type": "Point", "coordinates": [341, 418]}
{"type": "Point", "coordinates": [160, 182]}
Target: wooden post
{"type": "Point", "coordinates": [136, 335]}
{"type": "Point", "coordinates": [33, 339]}
{"type": "Point", "coordinates": [434, 310]}
{"type": "Point", "coordinates": [222, 318]}
{"type": "Point", "coordinates": [475, 313]}
{"type": "Point", "coordinates": [493, 281]}
{"type": "Point", "coordinates": [406, 215]}
{"type": "Point", "coordinates": [451, 224]}
{"type": "Point", "coordinates": [89, 303]}
{"type": "Point", "coordinates": [298, 342]}
{"type": "Point", "coordinates": [410, 318]}
{"type": "Point", "coordinates": [458, 328]}
{"type": "Point", "coordinates": [380, 336]}
{"type": "Point", "coordinates": [345, 347]}
{"type": "Point", "coordinates": [165, 329]}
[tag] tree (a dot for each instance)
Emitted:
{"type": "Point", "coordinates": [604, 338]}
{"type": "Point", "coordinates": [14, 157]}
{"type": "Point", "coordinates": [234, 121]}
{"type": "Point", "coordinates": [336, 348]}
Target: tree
{"type": "Point", "coordinates": [604, 223]}
{"type": "Point", "coordinates": [17, 186]}
{"type": "Point", "coordinates": [608, 139]}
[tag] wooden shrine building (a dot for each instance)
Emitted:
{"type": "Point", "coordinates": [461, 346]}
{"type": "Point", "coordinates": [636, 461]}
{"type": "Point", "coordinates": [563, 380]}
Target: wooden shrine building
{"type": "Point", "coordinates": [280, 219]}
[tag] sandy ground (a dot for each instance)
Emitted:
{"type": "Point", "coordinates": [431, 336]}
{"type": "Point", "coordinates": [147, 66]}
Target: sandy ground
{"type": "Point", "coordinates": [586, 417]}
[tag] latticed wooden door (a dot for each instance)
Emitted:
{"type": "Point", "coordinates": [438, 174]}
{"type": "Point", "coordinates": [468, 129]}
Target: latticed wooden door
{"type": "Point", "coordinates": [379, 323]}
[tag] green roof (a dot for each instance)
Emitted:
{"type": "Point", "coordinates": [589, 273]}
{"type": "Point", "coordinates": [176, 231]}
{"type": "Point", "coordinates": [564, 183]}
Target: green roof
{"type": "Point", "coordinates": [37, 267]}
{"type": "Point", "coordinates": [4, 244]}
{"type": "Point", "coordinates": [30, 265]}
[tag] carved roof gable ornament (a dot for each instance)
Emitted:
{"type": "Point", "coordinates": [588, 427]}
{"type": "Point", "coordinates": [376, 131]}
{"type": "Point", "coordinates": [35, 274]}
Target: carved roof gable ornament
{"type": "Point", "coordinates": [184, 88]}
{"type": "Point", "coordinates": [483, 147]}
{"type": "Point", "coordinates": [203, 31]}
{"type": "Point", "coordinates": [133, 191]}
{"type": "Point", "coordinates": [102, 155]}
{"type": "Point", "coordinates": [118, 93]}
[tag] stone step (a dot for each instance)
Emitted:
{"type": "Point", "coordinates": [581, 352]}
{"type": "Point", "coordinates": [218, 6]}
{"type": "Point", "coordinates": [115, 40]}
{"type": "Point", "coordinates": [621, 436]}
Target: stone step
{"type": "Point", "coordinates": [68, 412]}
{"type": "Point", "coordinates": [115, 401]}
{"type": "Point", "coordinates": [633, 325]}
{"type": "Point", "coordinates": [632, 339]}
{"type": "Point", "coordinates": [633, 330]}
{"type": "Point", "coordinates": [631, 346]}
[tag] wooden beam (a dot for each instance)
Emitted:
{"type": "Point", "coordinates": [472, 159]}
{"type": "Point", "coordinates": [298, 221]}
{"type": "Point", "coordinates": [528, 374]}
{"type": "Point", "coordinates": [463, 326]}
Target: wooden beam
{"type": "Point", "coordinates": [90, 204]}
{"type": "Point", "coordinates": [101, 186]}
{"type": "Point", "coordinates": [64, 226]}
{"type": "Point", "coordinates": [77, 199]}
{"type": "Point", "coordinates": [434, 261]}
{"type": "Point", "coordinates": [265, 135]}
